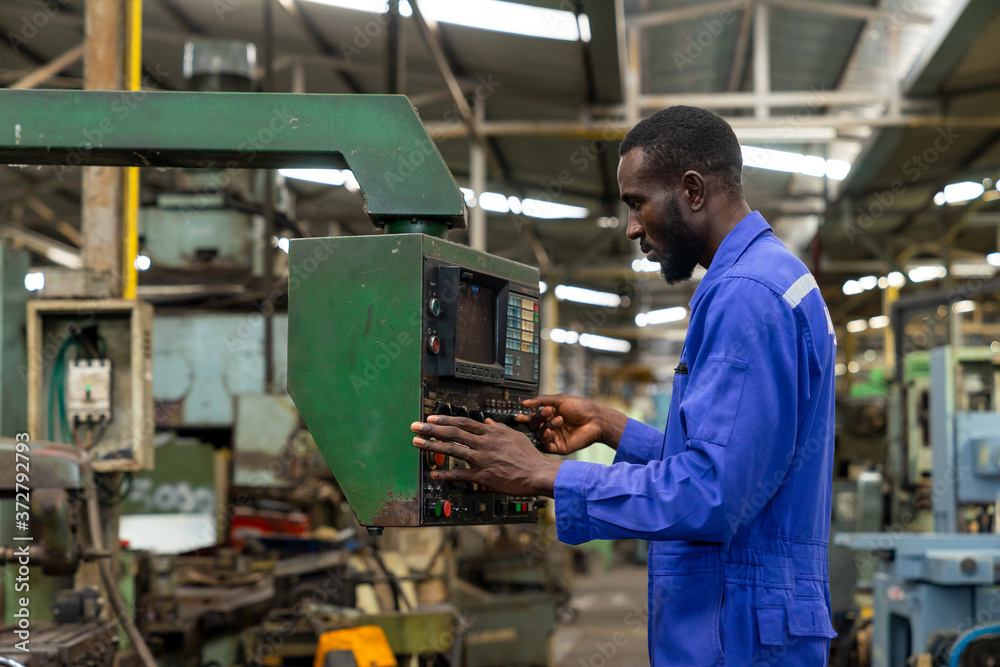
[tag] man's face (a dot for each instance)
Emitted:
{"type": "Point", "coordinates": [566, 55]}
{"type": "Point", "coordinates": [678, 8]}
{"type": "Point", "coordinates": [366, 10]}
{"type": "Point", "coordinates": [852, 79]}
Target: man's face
{"type": "Point", "coordinates": [656, 220]}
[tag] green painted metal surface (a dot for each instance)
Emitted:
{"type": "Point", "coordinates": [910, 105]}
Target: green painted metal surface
{"type": "Point", "coordinates": [355, 345]}
{"type": "Point", "coordinates": [379, 137]}
{"type": "Point", "coordinates": [183, 480]}
{"type": "Point", "coordinates": [419, 632]}
{"type": "Point", "coordinates": [509, 630]}
{"type": "Point", "coordinates": [13, 344]}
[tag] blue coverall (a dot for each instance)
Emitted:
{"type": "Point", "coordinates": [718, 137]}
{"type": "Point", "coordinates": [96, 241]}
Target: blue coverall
{"type": "Point", "coordinates": [735, 498]}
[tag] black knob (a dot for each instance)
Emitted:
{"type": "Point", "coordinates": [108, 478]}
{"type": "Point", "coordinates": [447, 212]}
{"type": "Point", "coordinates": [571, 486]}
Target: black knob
{"type": "Point", "coordinates": [442, 408]}
{"type": "Point", "coordinates": [477, 415]}
{"type": "Point", "coordinates": [460, 411]}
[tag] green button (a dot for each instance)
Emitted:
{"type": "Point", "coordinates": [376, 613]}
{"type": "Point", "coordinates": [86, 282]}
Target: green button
{"type": "Point", "coordinates": [437, 509]}
{"type": "Point", "coordinates": [517, 507]}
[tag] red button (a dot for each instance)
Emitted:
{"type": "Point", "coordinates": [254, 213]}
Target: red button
{"type": "Point", "coordinates": [447, 508]}
{"type": "Point", "coordinates": [536, 306]}
{"type": "Point", "coordinates": [439, 459]}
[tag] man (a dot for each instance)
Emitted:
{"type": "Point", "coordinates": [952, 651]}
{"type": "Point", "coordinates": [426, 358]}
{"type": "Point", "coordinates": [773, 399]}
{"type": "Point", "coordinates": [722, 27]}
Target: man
{"type": "Point", "coordinates": [735, 496]}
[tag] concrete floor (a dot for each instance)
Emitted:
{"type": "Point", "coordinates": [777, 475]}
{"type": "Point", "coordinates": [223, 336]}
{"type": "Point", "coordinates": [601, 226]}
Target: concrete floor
{"type": "Point", "coordinates": [611, 628]}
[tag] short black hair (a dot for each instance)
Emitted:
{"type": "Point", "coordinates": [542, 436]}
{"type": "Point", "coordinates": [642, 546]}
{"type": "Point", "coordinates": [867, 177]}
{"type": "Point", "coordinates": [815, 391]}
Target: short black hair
{"type": "Point", "coordinates": [680, 138]}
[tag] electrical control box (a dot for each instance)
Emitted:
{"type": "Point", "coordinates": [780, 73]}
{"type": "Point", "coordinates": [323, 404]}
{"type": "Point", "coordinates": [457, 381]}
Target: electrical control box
{"type": "Point", "coordinates": [90, 378]}
{"type": "Point", "coordinates": [389, 329]}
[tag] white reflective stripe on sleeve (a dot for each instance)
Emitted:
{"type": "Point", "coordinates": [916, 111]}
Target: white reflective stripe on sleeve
{"type": "Point", "coordinates": [829, 322]}
{"type": "Point", "coordinates": [794, 294]}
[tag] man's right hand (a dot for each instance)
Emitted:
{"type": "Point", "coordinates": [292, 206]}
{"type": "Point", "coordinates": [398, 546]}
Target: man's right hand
{"type": "Point", "coordinates": [564, 424]}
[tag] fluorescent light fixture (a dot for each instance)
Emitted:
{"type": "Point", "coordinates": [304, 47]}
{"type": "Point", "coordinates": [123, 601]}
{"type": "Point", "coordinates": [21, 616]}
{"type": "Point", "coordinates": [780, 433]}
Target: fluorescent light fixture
{"type": "Point", "coordinates": [587, 296]}
{"type": "Point", "coordinates": [853, 367]}
{"type": "Point", "coordinates": [533, 208]}
{"type": "Point", "coordinates": [896, 279]}
{"type": "Point", "coordinates": [494, 201]}
{"type": "Point", "coordinates": [563, 336]}
{"type": "Point", "coordinates": [324, 176]}
{"type": "Point", "coordinates": [868, 282]}
{"type": "Point", "coordinates": [372, 6]}
{"type": "Point", "coordinates": [857, 326]}
{"type": "Point", "coordinates": [510, 17]}
{"type": "Point", "coordinates": [604, 343]}
{"type": "Point", "coordinates": [939, 199]}
{"type": "Point", "coordinates": [879, 322]}
{"type": "Point", "coordinates": [921, 274]}
{"type": "Point", "coordinates": [883, 282]}
{"type": "Point", "coordinates": [662, 316]}
{"type": "Point", "coordinates": [852, 287]}
{"type": "Point", "coordinates": [643, 265]}
{"type": "Point", "coordinates": [282, 242]}
{"type": "Point", "coordinates": [966, 306]}
{"type": "Point", "coordinates": [543, 287]}
{"type": "Point", "coordinates": [993, 259]}
{"type": "Point", "coordinates": [798, 135]}
{"type": "Point", "coordinates": [141, 263]}
{"type": "Point", "coordinates": [547, 210]}
{"type": "Point", "coordinates": [957, 193]}
{"type": "Point", "coordinates": [837, 170]}
{"type": "Point", "coordinates": [34, 281]}
{"type": "Point", "coordinates": [972, 270]}
{"type": "Point", "coordinates": [794, 163]}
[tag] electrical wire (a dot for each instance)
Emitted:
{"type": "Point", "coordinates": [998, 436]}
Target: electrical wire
{"type": "Point", "coordinates": [81, 458]}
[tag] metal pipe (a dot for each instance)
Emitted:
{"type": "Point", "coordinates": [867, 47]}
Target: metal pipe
{"type": "Point", "coordinates": [762, 62]}
{"type": "Point", "coordinates": [477, 181]}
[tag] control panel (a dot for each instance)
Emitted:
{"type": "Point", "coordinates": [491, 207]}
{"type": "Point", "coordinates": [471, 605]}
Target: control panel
{"type": "Point", "coordinates": [447, 503]}
{"type": "Point", "coordinates": [482, 356]}
{"type": "Point", "coordinates": [390, 329]}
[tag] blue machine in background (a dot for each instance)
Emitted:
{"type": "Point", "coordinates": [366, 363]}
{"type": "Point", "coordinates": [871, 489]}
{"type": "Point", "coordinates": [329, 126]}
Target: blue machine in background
{"type": "Point", "coordinates": [937, 595]}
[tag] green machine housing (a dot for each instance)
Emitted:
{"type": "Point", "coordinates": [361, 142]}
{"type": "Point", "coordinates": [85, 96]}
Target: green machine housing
{"type": "Point", "coordinates": [385, 330]}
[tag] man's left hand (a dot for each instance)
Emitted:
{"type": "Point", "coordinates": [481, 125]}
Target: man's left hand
{"type": "Point", "coordinates": [499, 457]}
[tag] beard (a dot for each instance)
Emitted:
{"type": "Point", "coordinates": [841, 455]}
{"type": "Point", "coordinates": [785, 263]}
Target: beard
{"type": "Point", "coordinates": [678, 263]}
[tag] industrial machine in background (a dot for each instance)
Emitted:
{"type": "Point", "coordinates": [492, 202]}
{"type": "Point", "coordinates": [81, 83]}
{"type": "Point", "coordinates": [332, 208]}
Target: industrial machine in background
{"type": "Point", "coordinates": [937, 595]}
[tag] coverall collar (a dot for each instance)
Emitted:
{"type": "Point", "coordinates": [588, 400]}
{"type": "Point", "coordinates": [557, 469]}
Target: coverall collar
{"type": "Point", "coordinates": [736, 242]}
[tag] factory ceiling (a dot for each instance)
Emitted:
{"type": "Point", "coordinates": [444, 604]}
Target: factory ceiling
{"type": "Point", "coordinates": [904, 92]}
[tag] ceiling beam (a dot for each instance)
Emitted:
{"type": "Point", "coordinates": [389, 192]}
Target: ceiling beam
{"type": "Point", "coordinates": [740, 52]}
{"type": "Point", "coordinates": [49, 69]}
{"type": "Point", "coordinates": [319, 40]}
{"type": "Point", "coordinates": [612, 130]}
{"type": "Point", "coordinates": [671, 16]}
{"type": "Point", "coordinates": [952, 35]}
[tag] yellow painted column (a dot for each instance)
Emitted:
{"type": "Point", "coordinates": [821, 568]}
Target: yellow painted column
{"type": "Point", "coordinates": [133, 74]}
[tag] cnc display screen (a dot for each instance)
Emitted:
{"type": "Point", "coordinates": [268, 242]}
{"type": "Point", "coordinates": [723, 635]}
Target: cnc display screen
{"type": "Point", "coordinates": [475, 339]}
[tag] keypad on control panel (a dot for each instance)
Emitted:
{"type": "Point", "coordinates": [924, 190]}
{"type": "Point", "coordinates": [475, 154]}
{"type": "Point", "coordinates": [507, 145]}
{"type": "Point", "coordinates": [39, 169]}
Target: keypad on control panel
{"type": "Point", "coordinates": [523, 327]}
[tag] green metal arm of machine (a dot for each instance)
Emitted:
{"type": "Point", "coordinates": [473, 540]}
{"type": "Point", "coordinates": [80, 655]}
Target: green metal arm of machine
{"type": "Point", "coordinates": [379, 137]}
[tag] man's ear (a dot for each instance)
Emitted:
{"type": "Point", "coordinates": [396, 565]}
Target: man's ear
{"type": "Point", "coordinates": [694, 189]}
